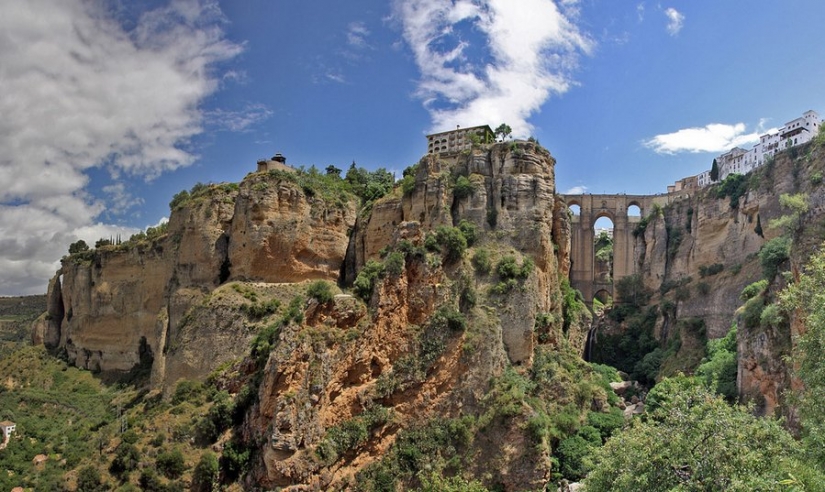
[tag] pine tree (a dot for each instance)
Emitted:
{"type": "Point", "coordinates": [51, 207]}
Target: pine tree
{"type": "Point", "coordinates": [714, 171]}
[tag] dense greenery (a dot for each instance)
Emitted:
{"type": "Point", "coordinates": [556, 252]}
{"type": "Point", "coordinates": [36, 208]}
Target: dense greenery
{"type": "Point", "coordinates": [694, 440]}
{"type": "Point", "coordinates": [734, 186]}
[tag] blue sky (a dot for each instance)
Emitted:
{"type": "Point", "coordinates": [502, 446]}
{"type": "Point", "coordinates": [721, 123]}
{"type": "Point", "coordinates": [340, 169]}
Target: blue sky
{"type": "Point", "coordinates": [111, 107]}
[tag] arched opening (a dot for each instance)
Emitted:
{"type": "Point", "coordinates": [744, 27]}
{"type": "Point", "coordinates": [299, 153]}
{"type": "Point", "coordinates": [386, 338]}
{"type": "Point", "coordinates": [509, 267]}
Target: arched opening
{"type": "Point", "coordinates": [603, 250]}
{"type": "Point", "coordinates": [575, 209]}
{"type": "Point", "coordinates": [634, 211]}
{"type": "Point", "coordinates": [602, 300]}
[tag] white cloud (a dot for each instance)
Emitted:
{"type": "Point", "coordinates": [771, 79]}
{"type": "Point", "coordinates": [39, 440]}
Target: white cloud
{"type": "Point", "coordinates": [676, 21]}
{"type": "Point", "coordinates": [239, 121]}
{"type": "Point", "coordinates": [357, 34]}
{"type": "Point", "coordinates": [715, 137]}
{"type": "Point", "coordinates": [530, 51]}
{"type": "Point", "coordinates": [78, 90]}
{"type": "Point", "coordinates": [576, 190]}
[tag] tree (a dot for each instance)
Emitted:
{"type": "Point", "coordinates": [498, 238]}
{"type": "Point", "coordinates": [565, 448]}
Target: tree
{"type": "Point", "coordinates": [806, 299]}
{"type": "Point", "coordinates": [503, 131]}
{"type": "Point", "coordinates": [78, 246]}
{"type": "Point", "coordinates": [696, 441]}
{"type": "Point", "coordinates": [205, 473]}
{"type": "Point", "coordinates": [88, 480]}
{"type": "Point", "coordinates": [333, 171]}
{"type": "Point", "coordinates": [714, 171]}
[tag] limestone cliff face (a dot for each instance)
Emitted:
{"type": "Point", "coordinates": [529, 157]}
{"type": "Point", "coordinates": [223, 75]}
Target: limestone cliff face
{"type": "Point", "coordinates": [279, 234]}
{"type": "Point", "coordinates": [512, 199]}
{"type": "Point", "coordinates": [346, 361]}
{"type": "Point", "coordinates": [702, 230]}
{"type": "Point", "coordinates": [109, 307]}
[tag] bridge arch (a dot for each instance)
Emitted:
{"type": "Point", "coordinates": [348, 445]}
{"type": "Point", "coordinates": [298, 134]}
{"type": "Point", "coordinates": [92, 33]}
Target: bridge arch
{"type": "Point", "coordinates": [583, 274]}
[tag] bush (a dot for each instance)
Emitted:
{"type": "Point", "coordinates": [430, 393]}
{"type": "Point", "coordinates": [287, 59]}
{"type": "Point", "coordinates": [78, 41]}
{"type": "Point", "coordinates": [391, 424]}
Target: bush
{"type": "Point", "coordinates": [171, 464]}
{"type": "Point", "coordinates": [321, 291]}
{"type": "Point", "coordinates": [773, 254]}
{"type": "Point", "coordinates": [573, 454]}
{"type": "Point", "coordinates": [394, 264]}
{"type": "Point", "coordinates": [469, 230]}
{"type": "Point", "coordinates": [88, 480]}
{"type": "Point", "coordinates": [205, 473]}
{"type": "Point", "coordinates": [709, 270]}
{"type": "Point", "coordinates": [463, 187]}
{"type": "Point", "coordinates": [186, 390]}
{"type": "Point", "coordinates": [481, 261]}
{"type": "Point", "coordinates": [753, 290]}
{"type": "Point", "coordinates": [452, 241]}
{"type": "Point", "coordinates": [365, 281]}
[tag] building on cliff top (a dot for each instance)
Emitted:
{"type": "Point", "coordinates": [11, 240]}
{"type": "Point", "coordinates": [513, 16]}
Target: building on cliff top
{"type": "Point", "coordinates": [740, 161]}
{"type": "Point", "coordinates": [278, 162]}
{"type": "Point", "coordinates": [455, 141]}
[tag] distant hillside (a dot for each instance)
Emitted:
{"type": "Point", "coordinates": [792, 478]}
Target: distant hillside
{"type": "Point", "coordinates": [16, 316]}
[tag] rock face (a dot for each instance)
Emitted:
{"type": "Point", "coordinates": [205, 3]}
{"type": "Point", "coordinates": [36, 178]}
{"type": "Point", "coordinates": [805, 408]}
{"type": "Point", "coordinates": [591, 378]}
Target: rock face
{"type": "Point", "coordinates": [684, 240]}
{"type": "Point", "coordinates": [120, 306]}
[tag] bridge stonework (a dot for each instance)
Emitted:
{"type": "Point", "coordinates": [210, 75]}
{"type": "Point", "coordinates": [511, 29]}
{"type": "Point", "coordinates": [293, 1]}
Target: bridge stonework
{"type": "Point", "coordinates": [583, 275]}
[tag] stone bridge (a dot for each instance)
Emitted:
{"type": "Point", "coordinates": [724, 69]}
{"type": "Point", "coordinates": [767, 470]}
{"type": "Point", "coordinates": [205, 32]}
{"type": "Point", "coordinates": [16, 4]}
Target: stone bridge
{"type": "Point", "coordinates": [583, 274]}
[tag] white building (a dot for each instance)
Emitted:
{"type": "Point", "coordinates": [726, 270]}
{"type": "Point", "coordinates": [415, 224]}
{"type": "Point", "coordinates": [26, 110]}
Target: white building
{"type": "Point", "coordinates": [737, 160]}
{"type": "Point", "coordinates": [7, 427]}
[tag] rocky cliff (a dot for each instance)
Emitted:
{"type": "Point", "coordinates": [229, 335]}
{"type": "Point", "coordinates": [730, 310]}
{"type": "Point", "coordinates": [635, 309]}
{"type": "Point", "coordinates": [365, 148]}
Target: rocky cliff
{"type": "Point", "coordinates": [698, 253]}
{"type": "Point", "coordinates": [117, 306]}
{"type": "Point", "coordinates": [455, 316]}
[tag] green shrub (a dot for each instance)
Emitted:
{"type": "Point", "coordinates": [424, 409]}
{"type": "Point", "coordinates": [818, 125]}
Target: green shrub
{"type": "Point", "coordinates": [394, 264]}
{"type": "Point", "coordinates": [463, 187]}
{"type": "Point", "coordinates": [452, 241]}
{"type": "Point", "coordinates": [573, 454]}
{"type": "Point", "coordinates": [365, 281]}
{"type": "Point", "coordinates": [321, 291]}
{"type": "Point", "coordinates": [771, 316]}
{"type": "Point", "coordinates": [482, 262]}
{"type": "Point", "coordinates": [752, 311]}
{"type": "Point", "coordinates": [720, 367]}
{"type": "Point", "coordinates": [734, 186]}
{"type": "Point", "coordinates": [186, 390]}
{"type": "Point", "coordinates": [171, 463]}
{"type": "Point", "coordinates": [753, 290]}
{"type": "Point", "coordinates": [773, 254]}
{"type": "Point", "coordinates": [469, 230]}
{"type": "Point", "coordinates": [709, 270]}
{"type": "Point", "coordinates": [205, 473]}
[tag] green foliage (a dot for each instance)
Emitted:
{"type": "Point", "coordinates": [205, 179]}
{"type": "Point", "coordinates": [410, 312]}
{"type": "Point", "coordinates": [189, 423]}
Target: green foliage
{"type": "Point", "coordinates": [369, 186]}
{"type": "Point", "coordinates": [604, 247]}
{"type": "Point", "coordinates": [350, 434]}
{"type": "Point", "coordinates": [205, 473]}
{"type": "Point", "coordinates": [482, 262]}
{"type": "Point", "coordinates": [394, 264]}
{"type": "Point", "coordinates": [234, 460]}
{"type": "Point", "coordinates": [710, 270]}
{"type": "Point", "coordinates": [573, 306]}
{"type": "Point", "coordinates": [469, 231]}
{"type": "Point", "coordinates": [452, 242]}
{"type": "Point", "coordinates": [574, 457]}
{"type": "Point", "coordinates": [714, 171]}
{"type": "Point", "coordinates": [78, 247]}
{"type": "Point", "coordinates": [798, 206]}
{"type": "Point", "coordinates": [365, 281]}
{"type": "Point", "coordinates": [126, 459]}
{"type": "Point", "coordinates": [463, 187]}
{"type": "Point", "coordinates": [734, 186]}
{"type": "Point", "coordinates": [695, 441]}
{"type": "Point", "coordinates": [719, 368]}
{"type": "Point", "coordinates": [634, 351]}
{"type": "Point", "coordinates": [752, 311]}
{"type": "Point", "coordinates": [503, 131]}
{"type": "Point", "coordinates": [773, 254]}
{"type": "Point", "coordinates": [186, 390]}
{"type": "Point", "coordinates": [806, 297]}
{"type": "Point", "coordinates": [754, 290]}
{"type": "Point", "coordinates": [631, 290]}
{"type": "Point", "coordinates": [772, 316]}
{"type": "Point", "coordinates": [816, 178]}
{"type": "Point", "coordinates": [674, 240]}
{"type": "Point", "coordinates": [88, 480]}
{"type": "Point", "coordinates": [321, 291]}
{"type": "Point", "coordinates": [171, 463]}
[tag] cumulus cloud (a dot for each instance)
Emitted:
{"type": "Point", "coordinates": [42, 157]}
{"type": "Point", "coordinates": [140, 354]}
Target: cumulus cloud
{"type": "Point", "coordinates": [675, 21]}
{"type": "Point", "coordinates": [715, 137]}
{"type": "Point", "coordinates": [491, 61]}
{"type": "Point", "coordinates": [79, 90]}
